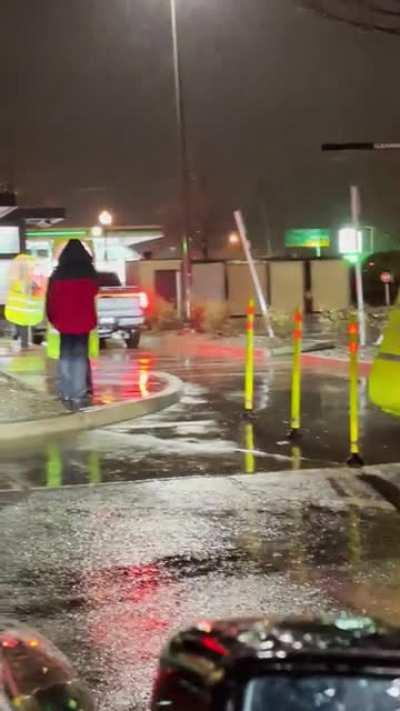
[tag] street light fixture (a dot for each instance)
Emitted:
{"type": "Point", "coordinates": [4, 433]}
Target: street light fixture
{"type": "Point", "coordinates": [184, 189]}
{"type": "Point", "coordinates": [105, 218]}
{"type": "Point", "coordinates": [234, 238]}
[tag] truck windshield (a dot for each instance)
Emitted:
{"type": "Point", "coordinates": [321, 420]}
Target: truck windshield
{"type": "Point", "coordinates": [108, 279]}
{"type": "Point", "coordinates": [328, 693]}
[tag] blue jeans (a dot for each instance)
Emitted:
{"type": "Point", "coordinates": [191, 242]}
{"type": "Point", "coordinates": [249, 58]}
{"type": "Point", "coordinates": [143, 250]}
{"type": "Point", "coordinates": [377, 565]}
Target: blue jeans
{"type": "Point", "coordinates": [73, 367]}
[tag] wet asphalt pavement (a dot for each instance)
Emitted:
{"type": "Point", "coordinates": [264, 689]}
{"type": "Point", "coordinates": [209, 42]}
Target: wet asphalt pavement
{"type": "Point", "coordinates": [108, 571]}
{"type": "Point", "coordinates": [205, 433]}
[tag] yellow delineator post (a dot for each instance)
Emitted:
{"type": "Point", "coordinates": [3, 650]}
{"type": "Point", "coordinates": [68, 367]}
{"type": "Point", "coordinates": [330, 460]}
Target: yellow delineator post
{"type": "Point", "coordinates": [249, 366]}
{"type": "Point", "coordinates": [354, 460]}
{"type": "Point", "coordinates": [295, 408]}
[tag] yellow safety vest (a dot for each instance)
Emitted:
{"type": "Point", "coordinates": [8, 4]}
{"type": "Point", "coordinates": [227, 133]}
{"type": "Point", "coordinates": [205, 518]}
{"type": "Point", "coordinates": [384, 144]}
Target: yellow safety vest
{"type": "Point", "coordinates": [24, 309]}
{"type": "Point", "coordinates": [384, 379]}
{"type": "Point", "coordinates": [54, 340]}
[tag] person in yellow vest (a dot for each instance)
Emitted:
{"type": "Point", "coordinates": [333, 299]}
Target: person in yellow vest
{"type": "Point", "coordinates": [384, 379]}
{"type": "Point", "coordinates": [25, 300]}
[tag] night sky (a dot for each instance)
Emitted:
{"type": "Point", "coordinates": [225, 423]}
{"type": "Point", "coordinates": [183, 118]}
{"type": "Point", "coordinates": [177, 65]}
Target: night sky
{"type": "Point", "coordinates": [88, 120]}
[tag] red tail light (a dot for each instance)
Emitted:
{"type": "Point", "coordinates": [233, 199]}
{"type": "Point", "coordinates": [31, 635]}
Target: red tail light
{"type": "Point", "coordinates": [143, 300]}
{"type": "Point", "coordinates": [213, 645]}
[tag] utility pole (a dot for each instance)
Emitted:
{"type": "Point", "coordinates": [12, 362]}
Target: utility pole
{"type": "Point", "coordinates": [265, 221]}
{"type": "Point", "coordinates": [355, 219]}
{"type": "Point", "coordinates": [184, 188]}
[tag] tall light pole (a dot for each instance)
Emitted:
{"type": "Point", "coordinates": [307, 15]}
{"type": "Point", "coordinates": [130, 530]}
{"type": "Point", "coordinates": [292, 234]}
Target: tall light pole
{"type": "Point", "coordinates": [184, 185]}
{"type": "Point", "coordinates": [105, 219]}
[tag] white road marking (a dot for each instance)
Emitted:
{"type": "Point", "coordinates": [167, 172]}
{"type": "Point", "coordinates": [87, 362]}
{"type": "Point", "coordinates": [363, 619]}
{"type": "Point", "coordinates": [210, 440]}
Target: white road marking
{"type": "Point", "coordinates": [166, 425]}
{"type": "Point", "coordinates": [259, 453]}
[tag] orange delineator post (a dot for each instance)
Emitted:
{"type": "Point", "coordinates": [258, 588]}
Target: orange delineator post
{"type": "Point", "coordinates": [249, 366]}
{"type": "Point", "coordinates": [295, 410]}
{"type": "Point", "coordinates": [355, 459]}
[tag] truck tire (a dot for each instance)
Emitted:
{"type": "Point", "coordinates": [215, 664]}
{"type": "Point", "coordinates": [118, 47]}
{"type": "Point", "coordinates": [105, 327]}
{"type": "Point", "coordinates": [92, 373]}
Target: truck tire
{"type": "Point", "coordinates": [133, 340]}
{"type": "Point", "coordinates": [37, 338]}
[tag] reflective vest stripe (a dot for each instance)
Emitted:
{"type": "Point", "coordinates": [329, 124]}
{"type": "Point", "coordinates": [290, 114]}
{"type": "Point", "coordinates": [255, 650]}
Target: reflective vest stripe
{"type": "Point", "coordinates": [24, 309]}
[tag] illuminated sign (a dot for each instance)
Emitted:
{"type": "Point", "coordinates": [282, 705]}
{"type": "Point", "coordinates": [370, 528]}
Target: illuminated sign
{"type": "Point", "coordinates": [314, 238]}
{"type": "Point", "coordinates": [9, 240]}
{"type": "Point", "coordinates": [350, 240]}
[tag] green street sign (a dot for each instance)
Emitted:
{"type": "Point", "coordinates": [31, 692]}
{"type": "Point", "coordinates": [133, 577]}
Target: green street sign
{"type": "Point", "coordinates": [311, 238]}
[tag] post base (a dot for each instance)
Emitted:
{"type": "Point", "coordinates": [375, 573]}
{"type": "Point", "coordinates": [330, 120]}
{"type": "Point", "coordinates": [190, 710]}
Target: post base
{"type": "Point", "coordinates": [248, 415]}
{"type": "Point", "coordinates": [294, 434]}
{"type": "Point", "coordinates": [355, 461]}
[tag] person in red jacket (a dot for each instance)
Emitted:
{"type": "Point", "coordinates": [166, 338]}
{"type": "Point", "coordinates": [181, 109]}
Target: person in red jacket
{"type": "Point", "coordinates": [71, 309]}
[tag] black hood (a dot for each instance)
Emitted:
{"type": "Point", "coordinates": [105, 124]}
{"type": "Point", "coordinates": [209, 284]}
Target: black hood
{"type": "Point", "coordinates": [74, 262]}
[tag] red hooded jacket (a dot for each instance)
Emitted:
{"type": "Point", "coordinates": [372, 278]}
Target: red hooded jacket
{"type": "Point", "coordinates": [71, 292]}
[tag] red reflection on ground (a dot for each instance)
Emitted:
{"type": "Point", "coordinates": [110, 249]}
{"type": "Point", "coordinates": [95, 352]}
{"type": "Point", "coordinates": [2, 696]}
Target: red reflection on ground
{"type": "Point", "coordinates": [125, 616]}
{"type": "Point", "coordinates": [223, 352]}
{"type": "Point", "coordinates": [123, 379]}
{"type": "Point", "coordinates": [133, 583]}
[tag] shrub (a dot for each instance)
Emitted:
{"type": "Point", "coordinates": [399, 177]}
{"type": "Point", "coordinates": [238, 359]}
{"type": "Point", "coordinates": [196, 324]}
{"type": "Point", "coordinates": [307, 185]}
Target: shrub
{"type": "Point", "coordinates": [163, 315]}
{"type": "Point", "coordinates": [210, 316]}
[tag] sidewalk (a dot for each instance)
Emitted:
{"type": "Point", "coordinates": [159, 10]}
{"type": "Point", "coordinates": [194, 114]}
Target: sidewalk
{"type": "Point", "coordinates": [19, 402]}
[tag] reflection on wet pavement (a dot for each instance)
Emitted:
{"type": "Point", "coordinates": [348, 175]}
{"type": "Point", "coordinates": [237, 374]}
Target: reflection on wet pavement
{"type": "Point", "coordinates": [205, 433]}
{"type": "Point", "coordinates": [120, 378]}
{"type": "Point", "coordinates": [115, 377]}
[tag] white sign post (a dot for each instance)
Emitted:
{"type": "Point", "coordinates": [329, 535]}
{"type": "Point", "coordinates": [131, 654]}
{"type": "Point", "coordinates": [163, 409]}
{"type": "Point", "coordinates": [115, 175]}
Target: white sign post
{"type": "Point", "coordinates": [253, 271]}
{"type": "Point", "coordinates": [355, 218]}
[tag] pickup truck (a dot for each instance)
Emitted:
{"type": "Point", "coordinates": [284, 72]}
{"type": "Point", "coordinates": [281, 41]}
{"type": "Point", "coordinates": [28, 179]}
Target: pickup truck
{"type": "Point", "coordinates": [120, 309]}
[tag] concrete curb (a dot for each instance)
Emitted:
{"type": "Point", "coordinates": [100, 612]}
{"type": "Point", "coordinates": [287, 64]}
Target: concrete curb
{"type": "Point", "coordinates": [269, 351]}
{"type": "Point", "coordinates": [93, 417]}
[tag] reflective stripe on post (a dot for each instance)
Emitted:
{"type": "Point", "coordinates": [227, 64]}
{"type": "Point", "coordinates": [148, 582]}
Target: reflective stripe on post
{"type": "Point", "coordinates": [249, 365]}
